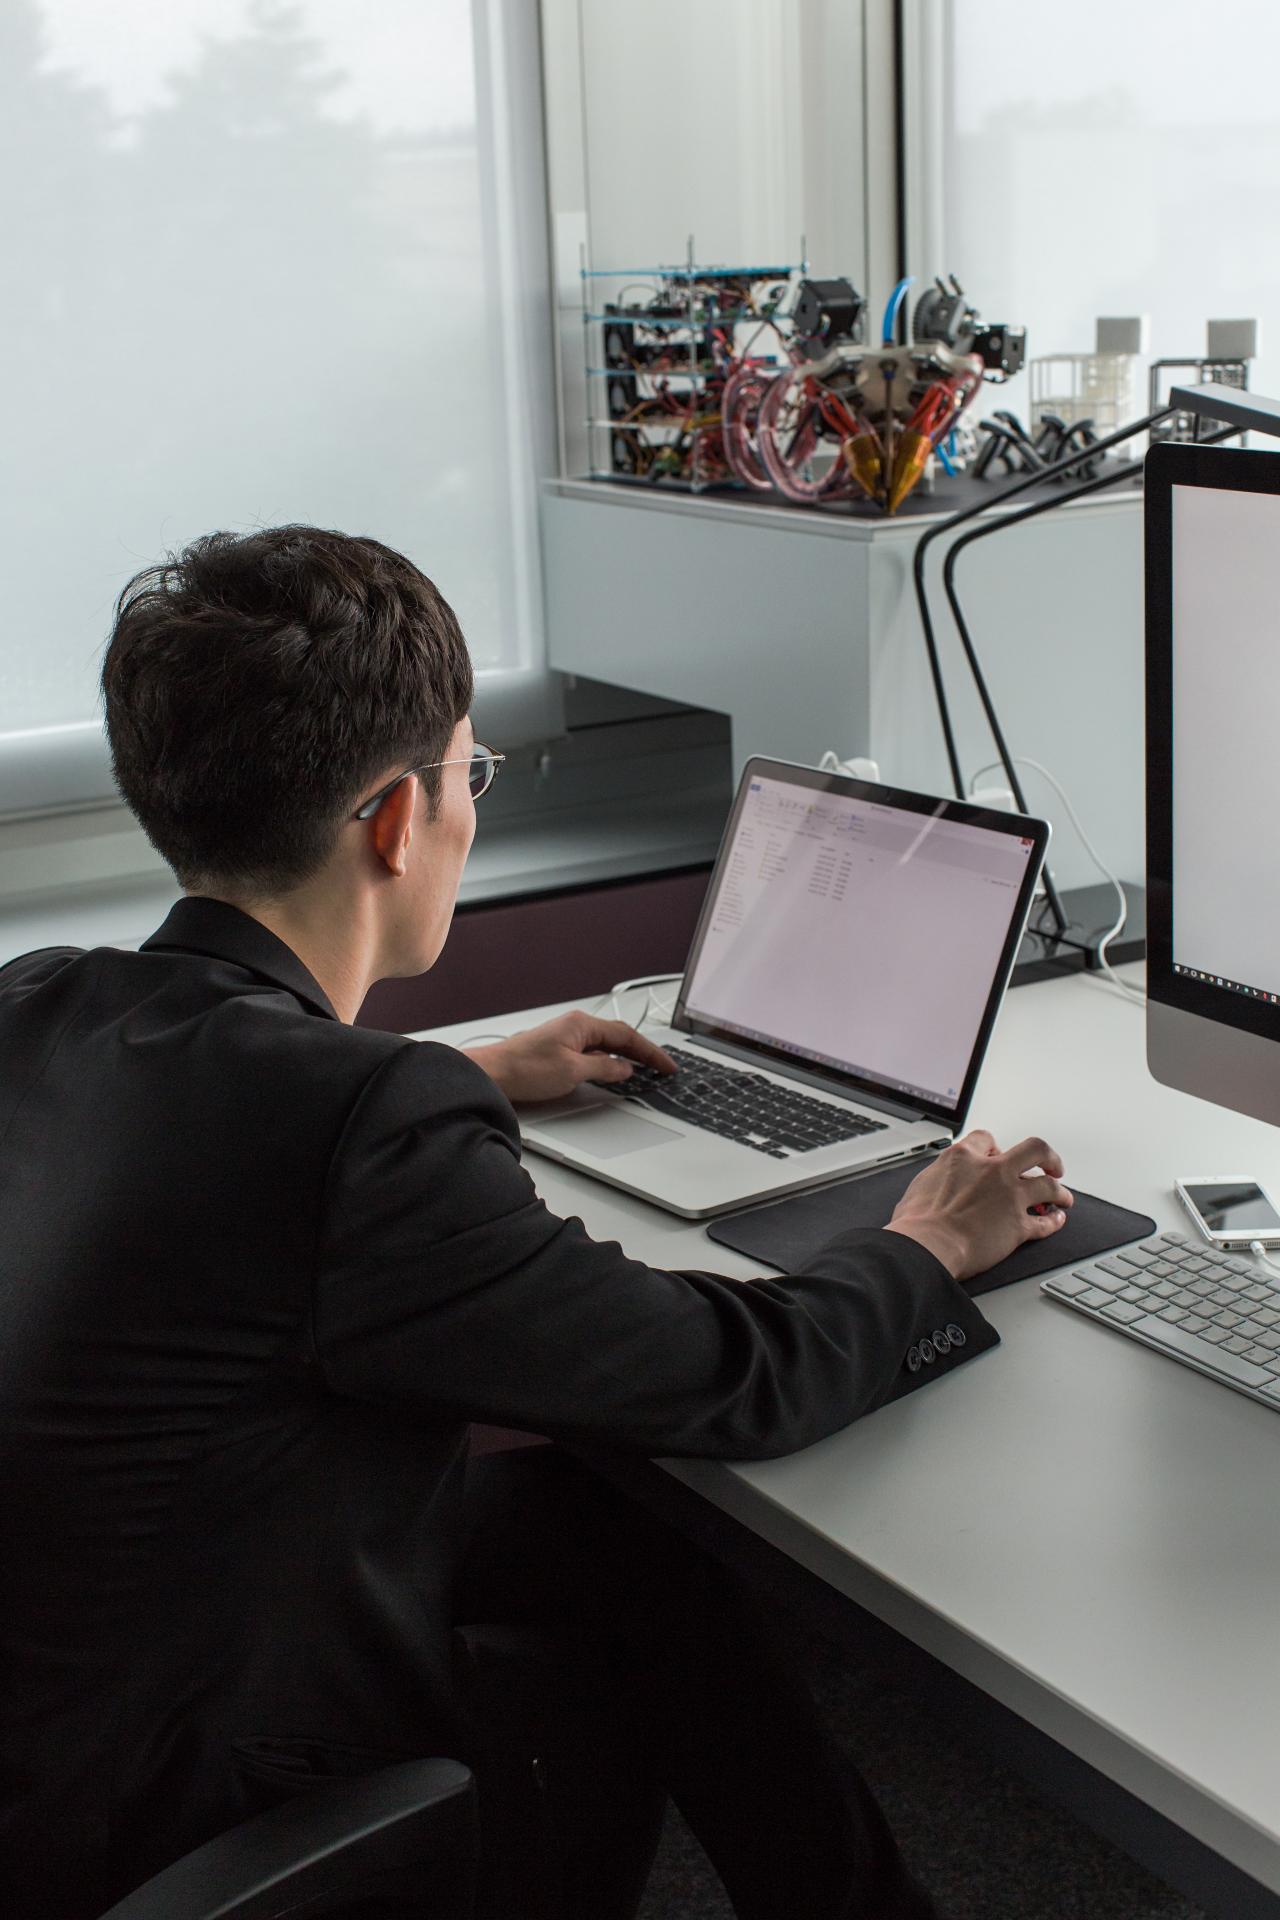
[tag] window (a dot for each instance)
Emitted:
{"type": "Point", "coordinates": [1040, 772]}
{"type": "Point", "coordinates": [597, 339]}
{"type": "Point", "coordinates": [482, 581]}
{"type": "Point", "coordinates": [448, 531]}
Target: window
{"type": "Point", "coordinates": [257, 274]}
{"type": "Point", "coordinates": [1098, 159]}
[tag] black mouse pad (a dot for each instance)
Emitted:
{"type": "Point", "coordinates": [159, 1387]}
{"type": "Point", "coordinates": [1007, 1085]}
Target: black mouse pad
{"type": "Point", "coordinates": [788, 1233]}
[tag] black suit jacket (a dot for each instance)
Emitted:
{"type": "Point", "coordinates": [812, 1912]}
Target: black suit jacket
{"type": "Point", "coordinates": [258, 1270]}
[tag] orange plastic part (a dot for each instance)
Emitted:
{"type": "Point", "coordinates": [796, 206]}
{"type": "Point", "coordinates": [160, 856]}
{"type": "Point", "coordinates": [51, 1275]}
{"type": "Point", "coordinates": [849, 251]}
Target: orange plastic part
{"type": "Point", "coordinates": [865, 462]}
{"type": "Point", "coordinates": [909, 462]}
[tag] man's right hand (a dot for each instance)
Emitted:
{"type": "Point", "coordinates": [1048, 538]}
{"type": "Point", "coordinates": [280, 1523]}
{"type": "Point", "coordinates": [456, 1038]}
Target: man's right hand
{"type": "Point", "coordinates": [971, 1207]}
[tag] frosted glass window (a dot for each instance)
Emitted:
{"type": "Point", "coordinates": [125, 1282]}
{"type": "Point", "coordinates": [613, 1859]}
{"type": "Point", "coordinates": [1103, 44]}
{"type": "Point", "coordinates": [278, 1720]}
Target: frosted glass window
{"type": "Point", "coordinates": [1104, 159]}
{"type": "Point", "coordinates": [243, 280]}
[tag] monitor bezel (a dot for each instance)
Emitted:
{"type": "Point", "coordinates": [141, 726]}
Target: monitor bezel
{"type": "Point", "coordinates": [1220, 469]}
{"type": "Point", "coordinates": [1015, 825]}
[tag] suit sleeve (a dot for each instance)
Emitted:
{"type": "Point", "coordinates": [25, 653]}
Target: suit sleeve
{"type": "Point", "coordinates": [447, 1287]}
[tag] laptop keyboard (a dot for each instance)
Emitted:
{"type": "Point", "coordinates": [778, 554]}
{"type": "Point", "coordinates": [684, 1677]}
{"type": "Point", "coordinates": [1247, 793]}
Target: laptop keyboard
{"type": "Point", "coordinates": [1214, 1311]}
{"type": "Point", "coordinates": [743, 1106]}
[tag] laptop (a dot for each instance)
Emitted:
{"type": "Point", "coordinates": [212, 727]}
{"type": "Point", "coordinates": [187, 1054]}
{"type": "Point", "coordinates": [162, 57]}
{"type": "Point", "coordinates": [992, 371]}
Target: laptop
{"type": "Point", "coordinates": [840, 992]}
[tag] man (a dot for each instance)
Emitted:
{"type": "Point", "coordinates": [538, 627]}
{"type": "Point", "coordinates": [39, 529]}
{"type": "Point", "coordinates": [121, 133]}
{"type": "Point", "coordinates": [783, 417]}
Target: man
{"type": "Point", "coordinates": [259, 1268]}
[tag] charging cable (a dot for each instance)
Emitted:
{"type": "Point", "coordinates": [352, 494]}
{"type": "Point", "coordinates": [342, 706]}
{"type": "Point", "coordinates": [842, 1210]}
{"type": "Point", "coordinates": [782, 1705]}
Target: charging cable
{"type": "Point", "coordinates": [652, 1009]}
{"type": "Point", "coordinates": [859, 769]}
{"type": "Point", "coordinates": [1256, 1247]}
{"type": "Point", "coordinates": [608, 1006]}
{"type": "Point", "coordinates": [1123, 986]}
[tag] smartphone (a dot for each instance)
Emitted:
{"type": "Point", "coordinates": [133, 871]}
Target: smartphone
{"type": "Point", "coordinates": [1230, 1210]}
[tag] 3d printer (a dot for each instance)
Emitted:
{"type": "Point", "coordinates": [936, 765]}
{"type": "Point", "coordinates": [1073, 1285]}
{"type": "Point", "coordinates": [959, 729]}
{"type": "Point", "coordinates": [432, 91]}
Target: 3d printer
{"type": "Point", "coordinates": [759, 377]}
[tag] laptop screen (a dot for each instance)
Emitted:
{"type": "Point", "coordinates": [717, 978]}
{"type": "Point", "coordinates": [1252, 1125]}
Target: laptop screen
{"type": "Point", "coordinates": [862, 931]}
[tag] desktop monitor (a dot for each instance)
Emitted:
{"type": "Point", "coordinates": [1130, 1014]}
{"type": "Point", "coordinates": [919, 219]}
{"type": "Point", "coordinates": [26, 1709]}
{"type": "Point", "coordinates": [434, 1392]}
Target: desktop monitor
{"type": "Point", "coordinates": [1213, 773]}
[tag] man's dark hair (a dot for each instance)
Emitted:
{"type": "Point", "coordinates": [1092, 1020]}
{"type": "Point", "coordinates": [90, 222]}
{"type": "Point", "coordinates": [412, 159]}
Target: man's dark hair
{"type": "Point", "coordinates": [256, 685]}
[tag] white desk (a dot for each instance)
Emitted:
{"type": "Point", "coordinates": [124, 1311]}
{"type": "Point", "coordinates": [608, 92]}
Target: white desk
{"type": "Point", "coordinates": [1087, 1531]}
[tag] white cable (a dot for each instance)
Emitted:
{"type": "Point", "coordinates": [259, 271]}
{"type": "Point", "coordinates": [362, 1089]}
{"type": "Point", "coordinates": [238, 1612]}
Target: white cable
{"type": "Point", "coordinates": [1019, 760]}
{"type": "Point", "coordinates": [858, 768]}
{"type": "Point", "coordinates": [651, 1009]}
{"type": "Point", "coordinates": [1256, 1247]}
{"type": "Point", "coordinates": [645, 980]}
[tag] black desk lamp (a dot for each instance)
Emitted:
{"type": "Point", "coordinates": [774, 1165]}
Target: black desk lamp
{"type": "Point", "coordinates": [1210, 403]}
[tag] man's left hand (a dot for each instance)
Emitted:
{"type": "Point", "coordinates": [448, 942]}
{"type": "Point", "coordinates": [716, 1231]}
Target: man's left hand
{"type": "Point", "coordinates": [549, 1061]}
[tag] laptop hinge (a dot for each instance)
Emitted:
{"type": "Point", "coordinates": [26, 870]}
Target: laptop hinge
{"type": "Point", "coordinates": [896, 1109]}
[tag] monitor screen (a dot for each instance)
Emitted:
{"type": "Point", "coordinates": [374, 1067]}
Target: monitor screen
{"type": "Point", "coordinates": [1225, 633]}
{"type": "Point", "coordinates": [1213, 785]}
{"type": "Point", "coordinates": [859, 933]}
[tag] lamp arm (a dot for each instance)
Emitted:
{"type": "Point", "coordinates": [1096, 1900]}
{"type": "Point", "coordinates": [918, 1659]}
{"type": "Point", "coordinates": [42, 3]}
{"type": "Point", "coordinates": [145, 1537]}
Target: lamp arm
{"type": "Point", "coordinates": [959, 519]}
{"type": "Point", "coordinates": [1129, 471]}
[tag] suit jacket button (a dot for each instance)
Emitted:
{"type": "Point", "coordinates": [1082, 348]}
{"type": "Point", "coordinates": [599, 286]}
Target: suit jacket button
{"type": "Point", "coordinates": [955, 1334]}
{"type": "Point", "coordinates": [913, 1360]}
{"type": "Point", "coordinates": [926, 1351]}
{"type": "Point", "coordinates": [941, 1341]}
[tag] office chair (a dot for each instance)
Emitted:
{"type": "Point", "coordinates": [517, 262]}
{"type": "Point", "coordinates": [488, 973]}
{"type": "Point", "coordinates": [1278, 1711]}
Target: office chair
{"type": "Point", "coordinates": [406, 1836]}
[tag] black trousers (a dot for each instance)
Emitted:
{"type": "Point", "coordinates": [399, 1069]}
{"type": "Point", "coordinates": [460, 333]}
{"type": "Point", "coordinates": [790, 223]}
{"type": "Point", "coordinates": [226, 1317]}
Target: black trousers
{"type": "Point", "coordinates": [607, 1664]}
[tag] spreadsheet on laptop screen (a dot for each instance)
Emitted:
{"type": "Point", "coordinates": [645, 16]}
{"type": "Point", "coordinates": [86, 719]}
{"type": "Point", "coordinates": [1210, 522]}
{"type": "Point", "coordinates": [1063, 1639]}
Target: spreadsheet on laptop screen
{"type": "Point", "coordinates": [861, 936]}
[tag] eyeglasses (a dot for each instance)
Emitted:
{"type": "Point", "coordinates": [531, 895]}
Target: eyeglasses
{"type": "Point", "coordinates": [482, 765]}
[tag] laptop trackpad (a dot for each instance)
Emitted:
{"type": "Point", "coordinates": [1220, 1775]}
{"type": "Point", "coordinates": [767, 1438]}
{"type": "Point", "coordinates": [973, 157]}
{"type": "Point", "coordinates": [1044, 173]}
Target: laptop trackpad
{"type": "Point", "coordinates": [606, 1132]}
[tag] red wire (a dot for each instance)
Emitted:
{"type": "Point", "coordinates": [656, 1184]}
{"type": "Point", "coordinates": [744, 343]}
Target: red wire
{"type": "Point", "coordinates": [837, 415]}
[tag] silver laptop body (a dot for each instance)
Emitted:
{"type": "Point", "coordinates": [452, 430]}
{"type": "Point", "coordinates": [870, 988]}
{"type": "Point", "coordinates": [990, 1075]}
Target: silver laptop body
{"type": "Point", "coordinates": [850, 959]}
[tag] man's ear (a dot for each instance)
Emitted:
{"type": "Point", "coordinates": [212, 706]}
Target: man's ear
{"type": "Point", "coordinates": [393, 825]}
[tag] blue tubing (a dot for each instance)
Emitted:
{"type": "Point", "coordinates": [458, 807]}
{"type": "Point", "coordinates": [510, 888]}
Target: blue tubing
{"type": "Point", "coordinates": [894, 308]}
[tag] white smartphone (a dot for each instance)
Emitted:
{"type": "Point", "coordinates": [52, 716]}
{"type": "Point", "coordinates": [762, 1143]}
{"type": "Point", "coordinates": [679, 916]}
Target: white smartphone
{"type": "Point", "coordinates": [1230, 1210]}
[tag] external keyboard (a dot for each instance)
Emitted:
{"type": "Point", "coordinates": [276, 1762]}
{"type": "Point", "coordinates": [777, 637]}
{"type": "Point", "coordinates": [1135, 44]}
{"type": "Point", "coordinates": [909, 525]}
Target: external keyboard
{"type": "Point", "coordinates": [1213, 1311]}
{"type": "Point", "coordinates": [743, 1106]}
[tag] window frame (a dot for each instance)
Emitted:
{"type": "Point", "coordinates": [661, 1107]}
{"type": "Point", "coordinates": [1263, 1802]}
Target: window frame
{"type": "Point", "coordinates": [922, 91]}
